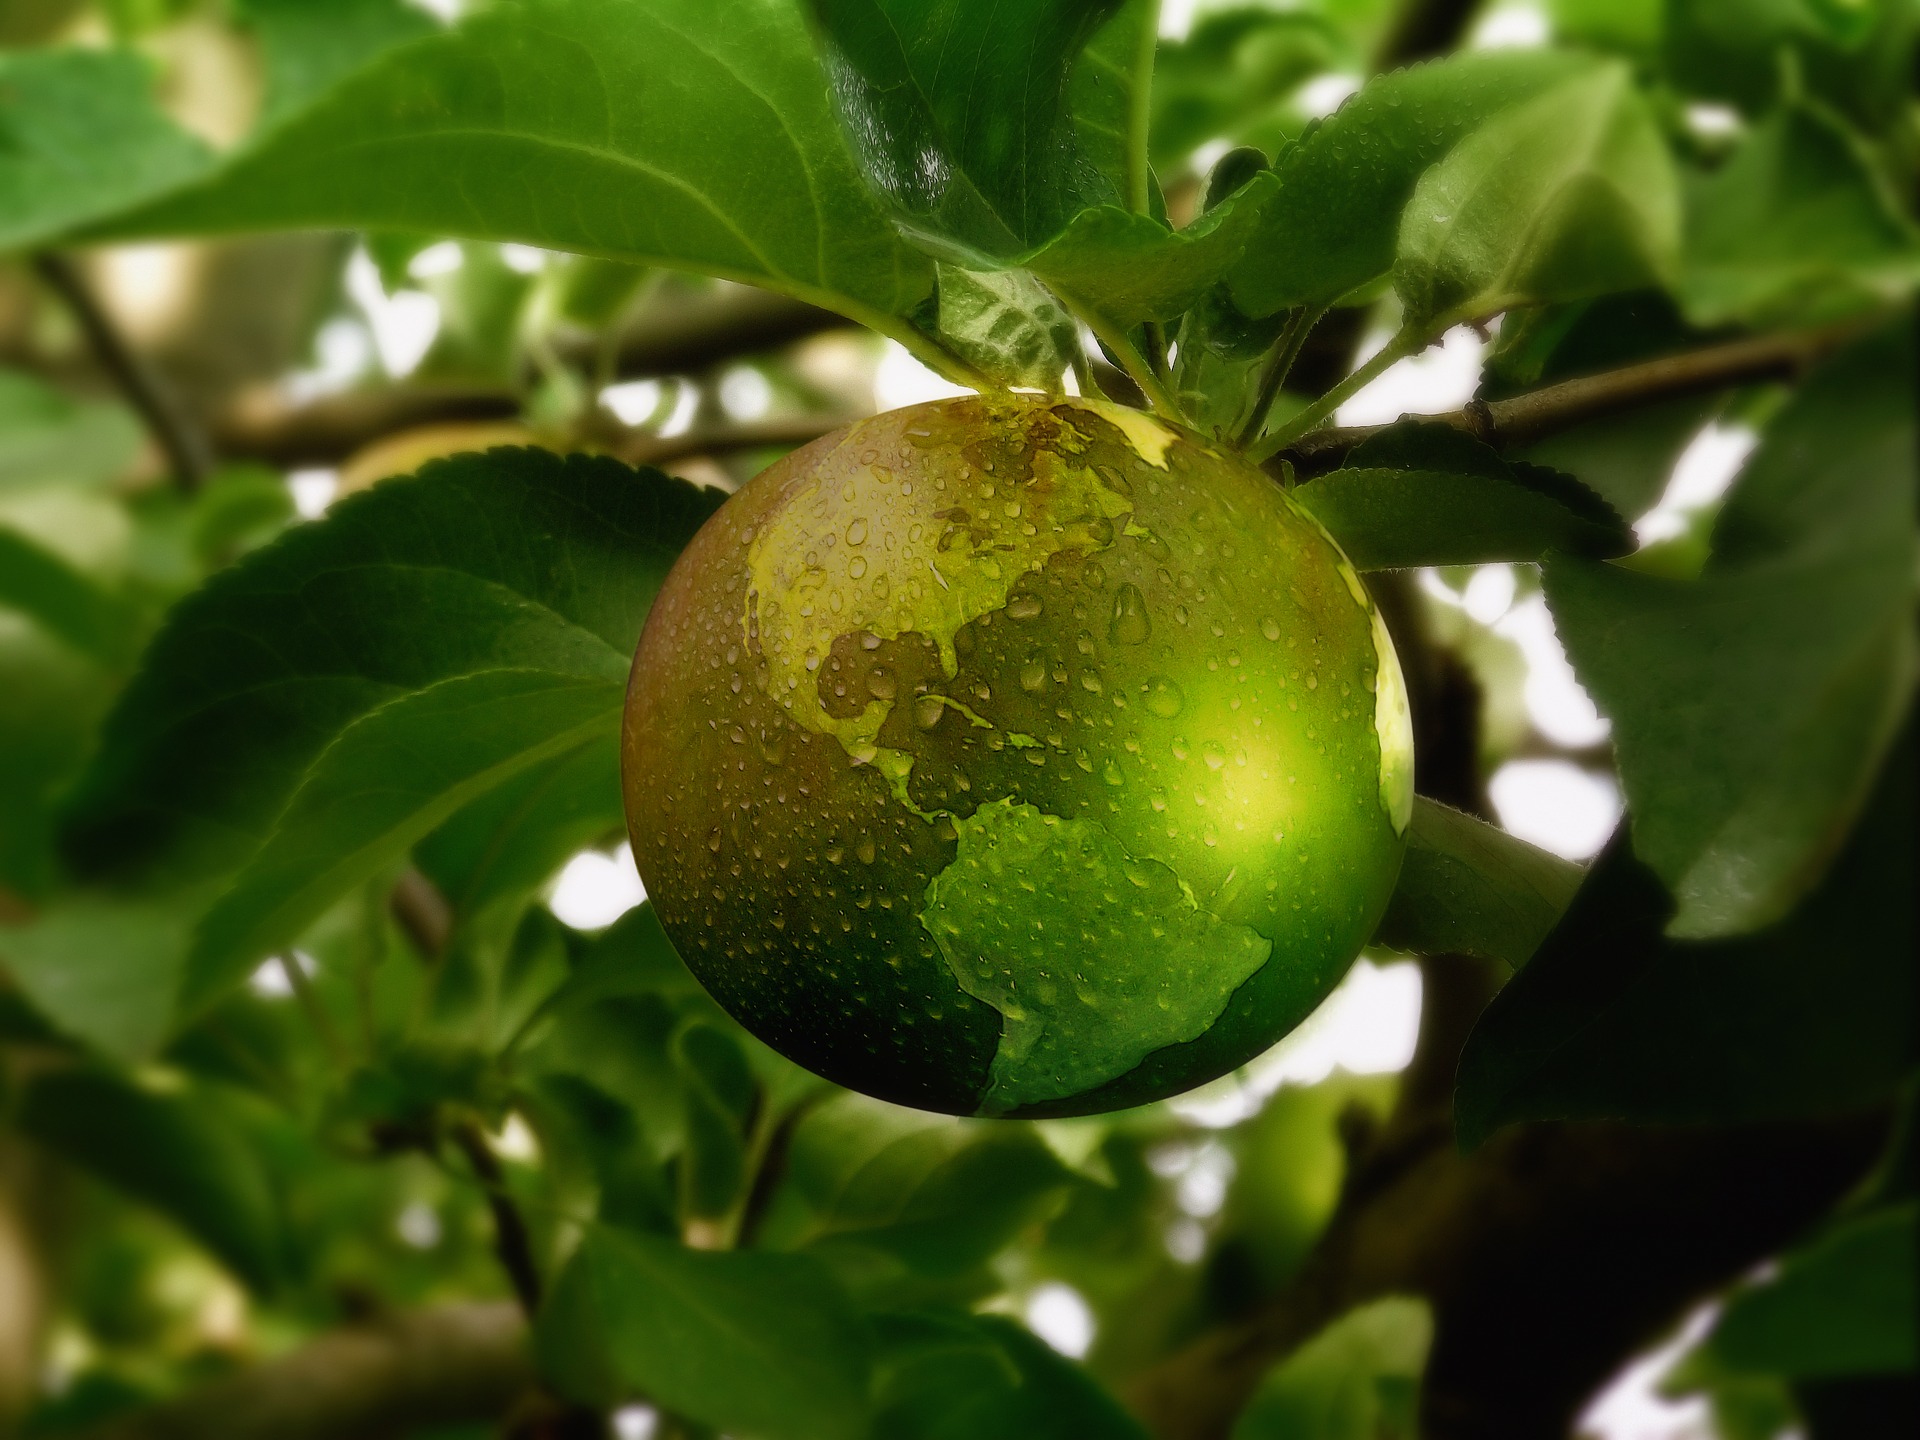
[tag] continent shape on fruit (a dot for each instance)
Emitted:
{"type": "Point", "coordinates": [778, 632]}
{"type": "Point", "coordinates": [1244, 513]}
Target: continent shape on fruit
{"type": "Point", "coordinates": [1009, 755]}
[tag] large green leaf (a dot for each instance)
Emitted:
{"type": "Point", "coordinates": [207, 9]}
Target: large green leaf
{"type": "Point", "coordinates": [1427, 494]}
{"type": "Point", "coordinates": [1109, 93]}
{"type": "Point", "coordinates": [103, 969]}
{"type": "Point", "coordinates": [1359, 1379]}
{"type": "Point", "coordinates": [946, 1375]}
{"type": "Point", "coordinates": [1751, 706]}
{"type": "Point", "coordinates": [757, 1344]}
{"type": "Point", "coordinates": [1332, 227]}
{"type": "Point", "coordinates": [1572, 193]}
{"type": "Point", "coordinates": [1613, 1019]}
{"type": "Point", "coordinates": [959, 112]}
{"type": "Point", "coordinates": [175, 1150]}
{"type": "Point", "coordinates": [1471, 888]}
{"type": "Point", "coordinates": [689, 133]}
{"type": "Point", "coordinates": [80, 139]}
{"type": "Point", "coordinates": [388, 779]}
{"type": "Point", "coordinates": [307, 46]}
{"type": "Point", "coordinates": [67, 603]}
{"type": "Point", "coordinates": [1795, 225]}
{"type": "Point", "coordinates": [512, 561]}
{"type": "Point", "coordinates": [1846, 1304]}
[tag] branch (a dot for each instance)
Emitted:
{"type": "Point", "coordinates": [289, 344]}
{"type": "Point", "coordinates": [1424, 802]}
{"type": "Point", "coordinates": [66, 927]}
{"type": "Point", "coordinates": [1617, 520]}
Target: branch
{"type": "Point", "coordinates": [448, 1365]}
{"type": "Point", "coordinates": [422, 911]}
{"type": "Point", "coordinates": [1523, 419]}
{"type": "Point", "coordinates": [511, 1241]}
{"type": "Point", "coordinates": [646, 449]}
{"type": "Point", "coordinates": [178, 438]}
{"type": "Point", "coordinates": [1549, 1255]}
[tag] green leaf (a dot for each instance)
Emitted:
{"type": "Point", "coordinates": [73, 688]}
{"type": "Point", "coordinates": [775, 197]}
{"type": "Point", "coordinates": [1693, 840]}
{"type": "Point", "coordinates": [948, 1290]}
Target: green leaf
{"type": "Point", "coordinates": [1843, 1305]}
{"type": "Point", "coordinates": [1614, 1019]}
{"type": "Point", "coordinates": [174, 1150]}
{"type": "Point", "coordinates": [49, 438]}
{"type": "Point", "coordinates": [516, 560]}
{"type": "Point", "coordinates": [1332, 227]}
{"type": "Point", "coordinates": [1750, 707]}
{"type": "Point", "coordinates": [941, 1195]}
{"type": "Point", "coordinates": [946, 1375]}
{"type": "Point", "coordinates": [1358, 1379]}
{"type": "Point", "coordinates": [1005, 324]}
{"type": "Point", "coordinates": [103, 969]}
{"type": "Point", "coordinates": [757, 1344]}
{"type": "Point", "coordinates": [504, 845]}
{"type": "Point", "coordinates": [688, 133]}
{"type": "Point", "coordinates": [1796, 226]}
{"type": "Point", "coordinates": [80, 139]}
{"type": "Point", "coordinates": [1108, 94]}
{"type": "Point", "coordinates": [40, 584]}
{"type": "Point", "coordinates": [1229, 73]}
{"type": "Point", "coordinates": [388, 779]}
{"type": "Point", "coordinates": [1572, 193]}
{"type": "Point", "coordinates": [307, 46]}
{"type": "Point", "coordinates": [1427, 494]}
{"type": "Point", "coordinates": [719, 1093]}
{"type": "Point", "coordinates": [1471, 888]}
{"type": "Point", "coordinates": [958, 111]}
{"type": "Point", "coordinates": [1131, 268]}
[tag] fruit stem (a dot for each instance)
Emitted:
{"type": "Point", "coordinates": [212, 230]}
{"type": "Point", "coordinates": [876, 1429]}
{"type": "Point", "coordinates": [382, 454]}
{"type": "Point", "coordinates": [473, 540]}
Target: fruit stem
{"type": "Point", "coordinates": [1280, 361]}
{"type": "Point", "coordinates": [1409, 341]}
{"type": "Point", "coordinates": [1130, 358]}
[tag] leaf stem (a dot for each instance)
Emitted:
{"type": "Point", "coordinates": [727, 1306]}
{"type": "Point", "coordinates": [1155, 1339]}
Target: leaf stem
{"type": "Point", "coordinates": [310, 1006]}
{"type": "Point", "coordinates": [1130, 358]}
{"type": "Point", "coordinates": [1286, 350]}
{"type": "Point", "coordinates": [1409, 341]}
{"type": "Point", "coordinates": [1140, 109]}
{"type": "Point", "coordinates": [511, 1240]}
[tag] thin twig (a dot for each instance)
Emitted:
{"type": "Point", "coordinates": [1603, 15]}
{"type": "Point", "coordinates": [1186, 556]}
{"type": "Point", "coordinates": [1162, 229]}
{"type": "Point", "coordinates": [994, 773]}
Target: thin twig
{"type": "Point", "coordinates": [1286, 349]}
{"type": "Point", "coordinates": [511, 1242]}
{"type": "Point", "coordinates": [646, 449]}
{"type": "Point", "coordinates": [1406, 342]}
{"type": "Point", "coordinates": [1523, 419]}
{"type": "Point", "coordinates": [178, 437]}
{"type": "Point", "coordinates": [311, 1006]}
{"type": "Point", "coordinates": [422, 911]}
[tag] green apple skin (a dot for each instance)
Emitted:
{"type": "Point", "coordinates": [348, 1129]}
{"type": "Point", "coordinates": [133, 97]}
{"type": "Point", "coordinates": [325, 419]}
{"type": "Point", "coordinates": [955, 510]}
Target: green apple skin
{"type": "Point", "coordinates": [1016, 756]}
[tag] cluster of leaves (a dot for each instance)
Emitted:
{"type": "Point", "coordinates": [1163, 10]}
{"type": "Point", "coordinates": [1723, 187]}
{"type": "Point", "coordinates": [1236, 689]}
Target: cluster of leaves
{"type": "Point", "coordinates": [227, 739]}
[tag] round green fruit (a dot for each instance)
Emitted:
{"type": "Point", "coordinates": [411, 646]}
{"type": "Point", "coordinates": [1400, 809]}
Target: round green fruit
{"type": "Point", "coordinates": [1014, 756]}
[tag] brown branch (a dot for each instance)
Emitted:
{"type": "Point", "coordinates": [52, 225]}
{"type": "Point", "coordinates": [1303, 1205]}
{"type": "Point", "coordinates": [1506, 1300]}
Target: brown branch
{"type": "Point", "coordinates": [511, 1242]}
{"type": "Point", "coordinates": [448, 1365]}
{"type": "Point", "coordinates": [178, 438]}
{"type": "Point", "coordinates": [1549, 1255]}
{"type": "Point", "coordinates": [645, 449]}
{"type": "Point", "coordinates": [1523, 419]}
{"type": "Point", "coordinates": [422, 911]}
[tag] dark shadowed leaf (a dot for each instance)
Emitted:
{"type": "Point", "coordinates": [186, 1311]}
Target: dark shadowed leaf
{"type": "Point", "coordinates": [80, 138]}
{"type": "Point", "coordinates": [1571, 193]}
{"type": "Point", "coordinates": [1750, 707]}
{"type": "Point", "coordinates": [958, 112]}
{"type": "Point", "coordinates": [514, 561]}
{"type": "Point", "coordinates": [1359, 1379]}
{"type": "Point", "coordinates": [1469, 887]}
{"type": "Point", "coordinates": [1795, 226]}
{"type": "Point", "coordinates": [1427, 494]}
{"type": "Point", "coordinates": [177, 1151]}
{"type": "Point", "coordinates": [1846, 1304]}
{"type": "Point", "coordinates": [761, 1345]}
{"type": "Point", "coordinates": [1109, 91]}
{"type": "Point", "coordinates": [1612, 1019]}
{"type": "Point", "coordinates": [511, 840]}
{"type": "Point", "coordinates": [388, 779]}
{"type": "Point", "coordinates": [691, 133]}
{"type": "Point", "coordinates": [1333, 224]}
{"type": "Point", "coordinates": [947, 1375]}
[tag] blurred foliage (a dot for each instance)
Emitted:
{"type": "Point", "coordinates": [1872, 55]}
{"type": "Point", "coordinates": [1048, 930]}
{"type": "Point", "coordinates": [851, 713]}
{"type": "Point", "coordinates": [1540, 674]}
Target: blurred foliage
{"type": "Point", "coordinates": [289, 1016]}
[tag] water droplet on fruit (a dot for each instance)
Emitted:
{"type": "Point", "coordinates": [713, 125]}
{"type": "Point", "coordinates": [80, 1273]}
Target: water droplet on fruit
{"type": "Point", "coordinates": [1164, 697]}
{"type": "Point", "coordinates": [1130, 624]}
